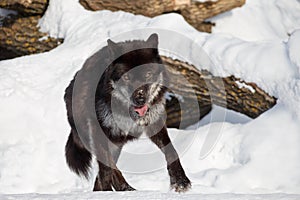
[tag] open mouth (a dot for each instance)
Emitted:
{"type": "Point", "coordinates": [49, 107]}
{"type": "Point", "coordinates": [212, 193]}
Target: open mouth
{"type": "Point", "coordinates": [141, 110]}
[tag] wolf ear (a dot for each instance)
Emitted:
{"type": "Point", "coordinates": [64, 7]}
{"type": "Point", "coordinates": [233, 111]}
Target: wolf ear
{"type": "Point", "coordinates": [112, 47]}
{"type": "Point", "coordinates": [153, 40]}
{"type": "Point", "coordinates": [111, 43]}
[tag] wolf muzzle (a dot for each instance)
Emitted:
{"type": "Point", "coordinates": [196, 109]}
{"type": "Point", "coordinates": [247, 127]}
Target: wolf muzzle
{"type": "Point", "coordinates": [139, 100]}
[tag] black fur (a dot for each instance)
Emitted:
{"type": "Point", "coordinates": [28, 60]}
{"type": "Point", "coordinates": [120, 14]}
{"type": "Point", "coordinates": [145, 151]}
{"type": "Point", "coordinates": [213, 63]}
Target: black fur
{"type": "Point", "coordinates": [78, 158]}
{"type": "Point", "coordinates": [117, 92]}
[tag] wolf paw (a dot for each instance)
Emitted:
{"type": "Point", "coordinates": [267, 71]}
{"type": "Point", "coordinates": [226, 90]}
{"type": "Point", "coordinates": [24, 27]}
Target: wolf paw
{"type": "Point", "coordinates": [125, 188]}
{"type": "Point", "coordinates": [181, 185]}
{"type": "Point", "coordinates": [129, 188]}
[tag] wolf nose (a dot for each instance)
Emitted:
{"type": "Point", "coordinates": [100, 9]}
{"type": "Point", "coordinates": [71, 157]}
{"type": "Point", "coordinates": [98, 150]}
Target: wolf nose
{"type": "Point", "coordinates": [139, 98]}
{"type": "Point", "coordinates": [140, 101]}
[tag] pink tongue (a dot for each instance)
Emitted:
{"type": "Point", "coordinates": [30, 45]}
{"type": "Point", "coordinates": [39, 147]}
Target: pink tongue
{"type": "Point", "coordinates": [141, 110]}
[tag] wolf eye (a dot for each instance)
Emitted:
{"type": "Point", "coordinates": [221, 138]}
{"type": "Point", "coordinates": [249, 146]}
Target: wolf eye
{"type": "Point", "coordinates": [125, 77]}
{"type": "Point", "coordinates": [148, 74]}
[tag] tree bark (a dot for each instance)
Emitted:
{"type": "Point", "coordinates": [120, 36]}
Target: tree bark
{"type": "Point", "coordinates": [197, 12]}
{"type": "Point", "coordinates": [208, 89]}
{"type": "Point", "coordinates": [194, 12]}
{"type": "Point", "coordinates": [26, 7]}
{"type": "Point", "coordinates": [148, 8]}
{"type": "Point", "coordinates": [22, 36]}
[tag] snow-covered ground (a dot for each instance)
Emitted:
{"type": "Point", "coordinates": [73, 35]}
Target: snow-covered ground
{"type": "Point", "coordinates": [258, 42]}
{"type": "Point", "coordinates": [148, 195]}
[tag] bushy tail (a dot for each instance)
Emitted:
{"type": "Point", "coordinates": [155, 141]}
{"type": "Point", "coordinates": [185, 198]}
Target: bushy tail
{"type": "Point", "coordinates": [78, 158]}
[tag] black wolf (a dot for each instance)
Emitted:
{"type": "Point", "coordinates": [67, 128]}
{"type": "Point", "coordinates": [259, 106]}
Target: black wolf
{"type": "Point", "coordinates": [128, 101]}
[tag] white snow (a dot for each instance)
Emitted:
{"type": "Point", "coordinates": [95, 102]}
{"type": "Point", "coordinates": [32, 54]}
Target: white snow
{"type": "Point", "coordinates": [245, 156]}
{"type": "Point", "coordinates": [294, 48]}
{"type": "Point", "coordinates": [260, 20]}
{"type": "Point", "coordinates": [4, 13]}
{"type": "Point", "coordinates": [169, 96]}
{"type": "Point", "coordinates": [147, 195]}
{"type": "Point", "coordinates": [244, 85]}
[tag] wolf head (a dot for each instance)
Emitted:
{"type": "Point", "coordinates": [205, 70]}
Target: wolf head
{"type": "Point", "coordinates": [137, 77]}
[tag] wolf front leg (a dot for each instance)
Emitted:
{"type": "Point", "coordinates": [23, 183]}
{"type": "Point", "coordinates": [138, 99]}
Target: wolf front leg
{"type": "Point", "coordinates": [109, 175]}
{"type": "Point", "coordinates": [118, 181]}
{"type": "Point", "coordinates": [179, 181]}
{"type": "Point", "coordinates": [108, 178]}
{"type": "Point", "coordinates": [104, 178]}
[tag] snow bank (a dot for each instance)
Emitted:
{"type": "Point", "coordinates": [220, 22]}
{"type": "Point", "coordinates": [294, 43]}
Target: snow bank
{"type": "Point", "coordinates": [260, 20]}
{"type": "Point", "coordinates": [294, 48]}
{"type": "Point", "coordinates": [250, 156]}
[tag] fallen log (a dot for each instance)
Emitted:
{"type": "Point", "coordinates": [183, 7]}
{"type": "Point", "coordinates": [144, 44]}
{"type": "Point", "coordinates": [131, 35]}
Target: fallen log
{"type": "Point", "coordinates": [150, 8]}
{"type": "Point", "coordinates": [198, 12]}
{"type": "Point", "coordinates": [21, 36]}
{"type": "Point", "coordinates": [194, 12]}
{"type": "Point", "coordinates": [228, 92]}
{"type": "Point", "coordinates": [26, 7]}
